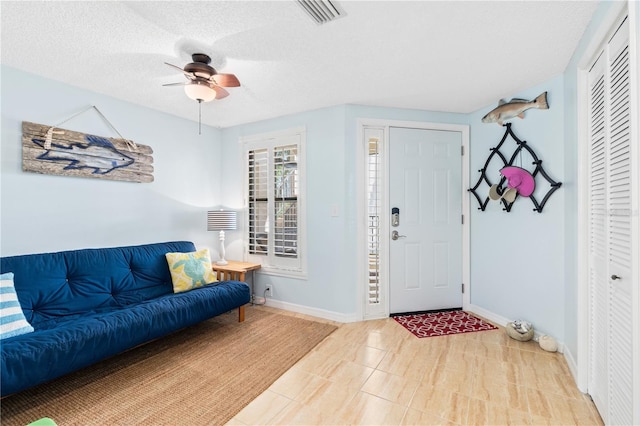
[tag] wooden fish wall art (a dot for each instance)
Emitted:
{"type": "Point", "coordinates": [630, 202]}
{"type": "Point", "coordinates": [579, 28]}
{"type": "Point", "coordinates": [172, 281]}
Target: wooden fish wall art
{"type": "Point", "coordinates": [56, 151]}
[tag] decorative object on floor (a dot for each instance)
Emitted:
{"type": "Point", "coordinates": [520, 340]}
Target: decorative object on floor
{"type": "Point", "coordinates": [519, 330]}
{"type": "Point", "coordinates": [204, 82]}
{"type": "Point", "coordinates": [499, 191]}
{"type": "Point", "coordinates": [442, 323]}
{"type": "Point", "coordinates": [514, 108]}
{"type": "Point", "coordinates": [56, 151]}
{"type": "Point", "coordinates": [548, 343]}
{"type": "Point", "coordinates": [204, 374]}
{"type": "Point", "coordinates": [221, 220]}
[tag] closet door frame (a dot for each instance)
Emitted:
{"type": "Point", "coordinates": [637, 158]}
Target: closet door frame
{"type": "Point", "coordinates": [608, 26]}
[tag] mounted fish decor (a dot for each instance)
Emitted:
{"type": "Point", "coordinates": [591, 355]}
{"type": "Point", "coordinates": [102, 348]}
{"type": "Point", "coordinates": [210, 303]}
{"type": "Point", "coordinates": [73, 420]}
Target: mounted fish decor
{"type": "Point", "coordinates": [57, 151]}
{"type": "Point", "coordinates": [514, 108]}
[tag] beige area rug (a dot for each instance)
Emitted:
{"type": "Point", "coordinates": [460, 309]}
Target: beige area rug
{"type": "Point", "coordinates": [203, 375]}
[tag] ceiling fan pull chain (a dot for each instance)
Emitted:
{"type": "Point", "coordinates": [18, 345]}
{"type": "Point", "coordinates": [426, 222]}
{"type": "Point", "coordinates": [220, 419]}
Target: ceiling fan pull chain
{"type": "Point", "coordinates": [199, 116]}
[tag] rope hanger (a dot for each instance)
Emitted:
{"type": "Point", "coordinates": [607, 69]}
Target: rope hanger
{"type": "Point", "coordinates": [51, 131]}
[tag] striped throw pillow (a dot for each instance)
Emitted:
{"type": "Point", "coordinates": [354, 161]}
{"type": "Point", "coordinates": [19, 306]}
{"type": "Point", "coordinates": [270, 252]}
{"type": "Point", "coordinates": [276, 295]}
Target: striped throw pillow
{"type": "Point", "coordinates": [12, 320]}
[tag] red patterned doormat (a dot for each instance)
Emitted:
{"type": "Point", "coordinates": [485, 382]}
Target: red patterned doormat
{"type": "Point", "coordinates": [442, 323]}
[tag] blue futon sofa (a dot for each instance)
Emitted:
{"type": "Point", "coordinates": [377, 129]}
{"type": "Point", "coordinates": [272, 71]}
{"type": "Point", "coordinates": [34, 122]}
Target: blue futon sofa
{"type": "Point", "coordinates": [87, 305]}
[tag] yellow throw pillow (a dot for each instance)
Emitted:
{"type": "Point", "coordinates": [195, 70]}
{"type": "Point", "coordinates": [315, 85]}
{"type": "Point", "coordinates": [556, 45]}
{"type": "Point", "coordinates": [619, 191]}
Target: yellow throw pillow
{"type": "Point", "coordinates": [190, 270]}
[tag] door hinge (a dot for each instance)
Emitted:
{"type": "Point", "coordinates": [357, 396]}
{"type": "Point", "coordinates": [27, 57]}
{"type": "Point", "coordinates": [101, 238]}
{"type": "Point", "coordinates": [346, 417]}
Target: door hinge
{"type": "Point", "coordinates": [462, 150]}
{"type": "Point", "coordinates": [462, 216]}
{"type": "Point", "coordinates": [462, 288]}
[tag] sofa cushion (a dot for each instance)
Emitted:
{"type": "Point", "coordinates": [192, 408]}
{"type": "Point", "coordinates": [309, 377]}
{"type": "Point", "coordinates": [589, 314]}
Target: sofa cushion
{"type": "Point", "coordinates": [190, 270]}
{"type": "Point", "coordinates": [78, 341]}
{"type": "Point", "coordinates": [12, 320]}
{"type": "Point", "coordinates": [68, 283]}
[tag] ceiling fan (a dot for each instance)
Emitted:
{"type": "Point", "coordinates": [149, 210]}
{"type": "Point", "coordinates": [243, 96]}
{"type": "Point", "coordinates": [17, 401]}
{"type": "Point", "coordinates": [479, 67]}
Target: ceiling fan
{"type": "Point", "coordinates": [204, 82]}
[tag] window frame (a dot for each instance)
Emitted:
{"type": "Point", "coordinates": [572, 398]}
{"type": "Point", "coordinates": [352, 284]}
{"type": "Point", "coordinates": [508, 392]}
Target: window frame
{"type": "Point", "coordinates": [271, 262]}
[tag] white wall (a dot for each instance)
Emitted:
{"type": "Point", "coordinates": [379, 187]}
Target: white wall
{"type": "Point", "coordinates": [517, 257]}
{"type": "Point", "coordinates": [42, 213]}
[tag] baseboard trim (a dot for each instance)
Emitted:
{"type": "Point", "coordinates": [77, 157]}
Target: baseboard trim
{"type": "Point", "coordinates": [573, 368]}
{"type": "Point", "coordinates": [352, 317]}
{"type": "Point", "coordinates": [502, 321]}
{"type": "Point", "coordinates": [316, 312]}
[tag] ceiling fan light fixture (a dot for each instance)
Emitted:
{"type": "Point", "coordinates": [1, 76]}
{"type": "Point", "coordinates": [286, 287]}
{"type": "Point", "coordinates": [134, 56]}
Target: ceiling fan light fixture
{"type": "Point", "coordinates": [204, 83]}
{"type": "Point", "coordinates": [199, 91]}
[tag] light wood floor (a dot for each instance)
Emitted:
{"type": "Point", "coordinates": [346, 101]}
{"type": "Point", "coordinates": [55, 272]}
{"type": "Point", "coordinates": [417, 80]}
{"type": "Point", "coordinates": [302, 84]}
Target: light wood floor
{"type": "Point", "coordinates": [377, 373]}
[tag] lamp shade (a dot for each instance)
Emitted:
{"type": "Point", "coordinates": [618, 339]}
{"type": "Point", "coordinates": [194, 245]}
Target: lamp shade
{"type": "Point", "coordinates": [221, 220]}
{"type": "Point", "coordinates": [200, 91]}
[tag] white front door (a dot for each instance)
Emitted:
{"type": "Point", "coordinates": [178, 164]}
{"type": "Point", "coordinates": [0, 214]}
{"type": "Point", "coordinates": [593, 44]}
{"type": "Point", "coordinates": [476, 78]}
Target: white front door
{"type": "Point", "coordinates": [425, 260]}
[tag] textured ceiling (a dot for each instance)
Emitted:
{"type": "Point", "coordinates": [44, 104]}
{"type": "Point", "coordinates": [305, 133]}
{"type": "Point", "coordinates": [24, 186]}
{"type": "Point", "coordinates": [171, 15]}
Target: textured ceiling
{"type": "Point", "coordinates": [450, 56]}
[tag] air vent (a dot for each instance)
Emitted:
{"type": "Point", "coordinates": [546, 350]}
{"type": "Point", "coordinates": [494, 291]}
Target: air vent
{"type": "Point", "coordinates": [321, 11]}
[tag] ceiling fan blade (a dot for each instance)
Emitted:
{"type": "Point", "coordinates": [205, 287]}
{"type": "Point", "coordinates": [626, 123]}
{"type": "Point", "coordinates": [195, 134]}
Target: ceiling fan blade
{"type": "Point", "coordinates": [220, 92]}
{"type": "Point", "coordinates": [226, 80]}
{"type": "Point", "coordinates": [187, 74]}
{"type": "Point", "coordinates": [184, 83]}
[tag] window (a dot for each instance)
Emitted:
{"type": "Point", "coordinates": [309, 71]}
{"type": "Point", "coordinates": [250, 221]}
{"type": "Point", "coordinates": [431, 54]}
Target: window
{"type": "Point", "coordinates": [274, 199]}
{"type": "Point", "coordinates": [374, 201]}
{"type": "Point", "coordinates": [374, 269]}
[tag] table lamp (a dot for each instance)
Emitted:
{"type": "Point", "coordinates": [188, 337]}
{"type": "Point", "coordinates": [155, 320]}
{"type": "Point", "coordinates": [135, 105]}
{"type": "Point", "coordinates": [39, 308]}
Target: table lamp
{"type": "Point", "coordinates": [221, 220]}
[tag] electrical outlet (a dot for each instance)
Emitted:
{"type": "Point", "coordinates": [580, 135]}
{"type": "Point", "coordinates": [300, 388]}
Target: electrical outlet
{"type": "Point", "coordinates": [268, 290]}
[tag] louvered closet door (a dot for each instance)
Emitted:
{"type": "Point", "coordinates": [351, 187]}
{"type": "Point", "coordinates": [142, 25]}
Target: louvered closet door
{"type": "Point", "coordinates": [598, 291]}
{"type": "Point", "coordinates": [619, 233]}
{"type": "Point", "coordinates": [610, 233]}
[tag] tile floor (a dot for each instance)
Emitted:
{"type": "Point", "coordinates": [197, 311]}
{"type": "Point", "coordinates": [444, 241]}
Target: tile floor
{"type": "Point", "coordinates": [377, 373]}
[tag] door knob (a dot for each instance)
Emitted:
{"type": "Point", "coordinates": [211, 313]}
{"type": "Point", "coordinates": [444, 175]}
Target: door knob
{"type": "Point", "coordinates": [395, 235]}
{"type": "Point", "coordinates": [615, 277]}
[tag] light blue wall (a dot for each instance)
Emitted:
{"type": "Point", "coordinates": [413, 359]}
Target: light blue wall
{"type": "Point", "coordinates": [523, 263]}
{"type": "Point", "coordinates": [331, 181]}
{"type": "Point", "coordinates": [50, 213]}
{"type": "Point", "coordinates": [69, 213]}
{"type": "Point", "coordinates": [329, 266]}
{"type": "Point", "coordinates": [517, 257]}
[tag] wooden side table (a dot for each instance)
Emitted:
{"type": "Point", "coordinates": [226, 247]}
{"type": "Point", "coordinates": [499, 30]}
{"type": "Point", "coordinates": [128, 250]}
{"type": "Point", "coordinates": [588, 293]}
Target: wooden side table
{"type": "Point", "coordinates": [236, 271]}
